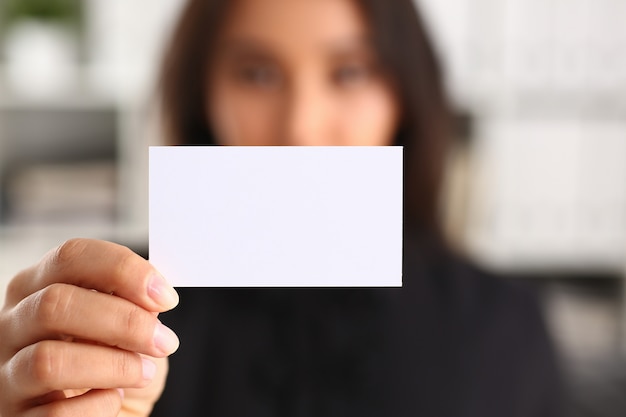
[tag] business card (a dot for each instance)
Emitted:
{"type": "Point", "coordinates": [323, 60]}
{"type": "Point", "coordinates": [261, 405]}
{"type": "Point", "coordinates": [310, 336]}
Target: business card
{"type": "Point", "coordinates": [223, 216]}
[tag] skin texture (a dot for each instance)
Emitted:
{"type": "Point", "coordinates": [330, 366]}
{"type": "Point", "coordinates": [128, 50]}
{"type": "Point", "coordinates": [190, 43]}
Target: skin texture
{"type": "Point", "coordinates": [84, 316]}
{"type": "Point", "coordinates": [82, 323]}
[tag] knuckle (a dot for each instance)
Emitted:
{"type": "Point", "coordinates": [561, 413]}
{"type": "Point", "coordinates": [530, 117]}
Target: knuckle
{"type": "Point", "coordinates": [15, 286]}
{"type": "Point", "coordinates": [45, 363]}
{"type": "Point", "coordinates": [67, 252]}
{"type": "Point", "coordinates": [135, 323]}
{"type": "Point", "coordinates": [52, 305]}
{"type": "Point", "coordinates": [127, 264]}
{"type": "Point", "coordinates": [133, 320]}
{"type": "Point", "coordinates": [126, 365]}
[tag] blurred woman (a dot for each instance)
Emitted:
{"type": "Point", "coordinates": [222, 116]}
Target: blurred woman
{"type": "Point", "coordinates": [453, 341]}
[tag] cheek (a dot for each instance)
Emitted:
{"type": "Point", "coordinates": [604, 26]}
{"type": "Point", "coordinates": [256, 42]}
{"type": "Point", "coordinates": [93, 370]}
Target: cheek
{"type": "Point", "coordinates": [242, 119]}
{"type": "Point", "coordinates": [370, 117]}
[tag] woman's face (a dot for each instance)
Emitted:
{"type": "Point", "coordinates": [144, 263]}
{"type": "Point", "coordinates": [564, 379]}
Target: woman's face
{"type": "Point", "coordinates": [298, 72]}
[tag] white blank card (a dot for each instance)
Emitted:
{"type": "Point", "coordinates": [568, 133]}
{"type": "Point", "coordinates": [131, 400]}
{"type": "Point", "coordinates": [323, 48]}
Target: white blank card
{"type": "Point", "coordinates": [223, 216]}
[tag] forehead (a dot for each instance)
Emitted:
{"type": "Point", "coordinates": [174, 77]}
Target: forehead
{"type": "Point", "coordinates": [294, 25]}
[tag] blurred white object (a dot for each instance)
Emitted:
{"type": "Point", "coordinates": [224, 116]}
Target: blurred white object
{"type": "Point", "coordinates": [551, 194]}
{"type": "Point", "coordinates": [41, 59]}
{"type": "Point", "coordinates": [125, 40]}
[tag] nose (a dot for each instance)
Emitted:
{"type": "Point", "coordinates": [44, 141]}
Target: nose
{"type": "Point", "coordinates": [307, 116]}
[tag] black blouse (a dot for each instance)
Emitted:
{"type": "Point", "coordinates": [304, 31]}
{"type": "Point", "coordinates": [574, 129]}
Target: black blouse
{"type": "Point", "coordinates": [454, 341]}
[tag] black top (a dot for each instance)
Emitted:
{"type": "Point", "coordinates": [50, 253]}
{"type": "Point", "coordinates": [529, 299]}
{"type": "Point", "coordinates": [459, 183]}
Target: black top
{"type": "Point", "coordinates": [454, 341]}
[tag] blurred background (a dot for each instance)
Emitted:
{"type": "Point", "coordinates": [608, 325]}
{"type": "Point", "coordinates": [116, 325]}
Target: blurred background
{"type": "Point", "coordinates": [536, 184]}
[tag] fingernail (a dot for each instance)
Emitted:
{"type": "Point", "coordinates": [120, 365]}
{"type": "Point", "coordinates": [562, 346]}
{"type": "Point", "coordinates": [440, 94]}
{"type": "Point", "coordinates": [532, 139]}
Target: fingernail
{"type": "Point", "coordinates": [161, 292]}
{"type": "Point", "coordinates": [149, 369]}
{"type": "Point", "coordinates": [165, 339]}
{"type": "Point", "coordinates": [121, 391]}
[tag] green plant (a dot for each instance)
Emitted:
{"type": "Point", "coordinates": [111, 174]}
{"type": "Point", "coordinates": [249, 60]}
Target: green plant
{"type": "Point", "coordinates": [67, 12]}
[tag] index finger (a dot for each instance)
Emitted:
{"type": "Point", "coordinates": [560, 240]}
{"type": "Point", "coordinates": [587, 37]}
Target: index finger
{"type": "Point", "coordinates": [103, 266]}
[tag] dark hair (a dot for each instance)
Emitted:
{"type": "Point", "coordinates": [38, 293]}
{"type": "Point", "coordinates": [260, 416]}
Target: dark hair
{"type": "Point", "coordinates": [405, 53]}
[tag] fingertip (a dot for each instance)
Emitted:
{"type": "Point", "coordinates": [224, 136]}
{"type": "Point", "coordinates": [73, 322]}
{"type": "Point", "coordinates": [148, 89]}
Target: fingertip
{"type": "Point", "coordinates": [165, 340]}
{"type": "Point", "coordinates": [149, 369]}
{"type": "Point", "coordinates": [161, 292]}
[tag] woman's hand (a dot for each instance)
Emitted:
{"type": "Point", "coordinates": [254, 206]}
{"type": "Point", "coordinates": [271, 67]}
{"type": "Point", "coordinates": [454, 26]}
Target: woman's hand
{"type": "Point", "coordinates": [79, 334]}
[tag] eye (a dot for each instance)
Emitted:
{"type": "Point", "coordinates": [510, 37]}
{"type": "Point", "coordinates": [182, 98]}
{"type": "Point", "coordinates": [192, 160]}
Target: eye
{"type": "Point", "coordinates": [350, 74]}
{"type": "Point", "coordinates": [260, 75]}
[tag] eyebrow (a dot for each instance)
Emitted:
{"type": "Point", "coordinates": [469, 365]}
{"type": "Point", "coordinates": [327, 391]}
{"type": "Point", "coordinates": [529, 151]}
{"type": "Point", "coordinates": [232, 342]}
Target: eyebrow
{"type": "Point", "coordinates": [349, 48]}
{"type": "Point", "coordinates": [247, 48]}
{"type": "Point", "coordinates": [360, 42]}
{"type": "Point", "coordinates": [254, 49]}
